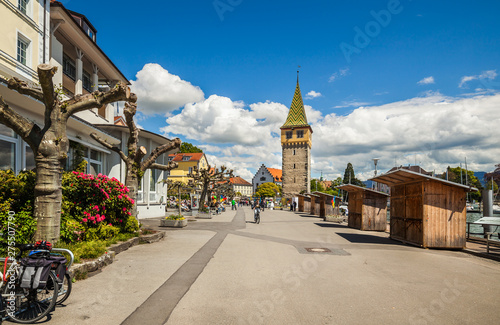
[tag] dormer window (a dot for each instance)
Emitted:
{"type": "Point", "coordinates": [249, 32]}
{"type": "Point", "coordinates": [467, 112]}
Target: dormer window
{"type": "Point", "coordinates": [170, 158]}
{"type": "Point", "coordinates": [186, 158]}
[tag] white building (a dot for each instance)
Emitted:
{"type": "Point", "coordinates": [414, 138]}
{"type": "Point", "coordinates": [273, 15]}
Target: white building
{"type": "Point", "coordinates": [33, 34]}
{"type": "Point", "coordinates": [267, 175]}
{"type": "Point", "coordinates": [242, 186]}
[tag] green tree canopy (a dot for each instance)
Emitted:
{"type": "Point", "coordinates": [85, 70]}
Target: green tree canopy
{"type": "Point", "coordinates": [187, 147]}
{"type": "Point", "coordinates": [350, 178]}
{"type": "Point", "coordinates": [267, 190]}
{"type": "Point", "coordinates": [467, 177]}
{"type": "Point", "coordinates": [316, 186]}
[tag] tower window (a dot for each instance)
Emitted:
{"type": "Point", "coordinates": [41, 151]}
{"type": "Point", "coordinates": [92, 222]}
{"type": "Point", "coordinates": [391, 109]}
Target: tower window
{"type": "Point", "coordinates": [294, 152]}
{"type": "Point", "coordinates": [289, 134]}
{"type": "Point", "coordinates": [300, 133]}
{"type": "Point", "coordinates": [293, 166]}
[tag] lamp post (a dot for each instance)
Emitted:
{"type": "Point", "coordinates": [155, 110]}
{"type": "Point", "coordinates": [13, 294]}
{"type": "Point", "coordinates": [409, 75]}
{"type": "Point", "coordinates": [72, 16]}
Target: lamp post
{"type": "Point", "coordinates": [375, 161]}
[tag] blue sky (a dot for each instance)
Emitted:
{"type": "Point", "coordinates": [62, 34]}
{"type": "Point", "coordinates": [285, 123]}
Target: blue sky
{"type": "Point", "coordinates": [405, 81]}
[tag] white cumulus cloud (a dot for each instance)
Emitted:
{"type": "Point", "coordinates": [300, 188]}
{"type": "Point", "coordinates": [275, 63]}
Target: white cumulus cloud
{"type": "Point", "coordinates": [160, 92]}
{"type": "Point", "coordinates": [339, 74]}
{"type": "Point", "coordinates": [427, 81]}
{"type": "Point", "coordinates": [312, 94]}
{"type": "Point", "coordinates": [434, 131]}
{"type": "Point", "coordinates": [484, 77]}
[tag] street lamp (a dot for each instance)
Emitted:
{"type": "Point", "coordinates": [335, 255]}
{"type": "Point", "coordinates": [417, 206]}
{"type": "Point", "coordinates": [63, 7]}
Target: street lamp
{"type": "Point", "coordinates": [375, 161]}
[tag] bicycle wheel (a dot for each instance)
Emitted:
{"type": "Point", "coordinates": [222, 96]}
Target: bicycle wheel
{"type": "Point", "coordinates": [32, 305]}
{"type": "Point", "coordinates": [64, 289]}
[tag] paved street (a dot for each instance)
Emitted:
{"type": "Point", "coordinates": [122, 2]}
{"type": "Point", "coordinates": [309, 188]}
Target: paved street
{"type": "Point", "coordinates": [228, 270]}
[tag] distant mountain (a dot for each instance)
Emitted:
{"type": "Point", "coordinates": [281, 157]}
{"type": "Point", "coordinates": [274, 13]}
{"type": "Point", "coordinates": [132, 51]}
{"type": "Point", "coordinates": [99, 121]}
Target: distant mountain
{"type": "Point", "coordinates": [480, 177]}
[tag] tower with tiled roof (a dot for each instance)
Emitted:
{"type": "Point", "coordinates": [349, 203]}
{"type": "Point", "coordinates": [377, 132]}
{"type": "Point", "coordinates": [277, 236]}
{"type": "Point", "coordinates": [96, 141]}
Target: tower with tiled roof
{"type": "Point", "coordinates": [296, 142]}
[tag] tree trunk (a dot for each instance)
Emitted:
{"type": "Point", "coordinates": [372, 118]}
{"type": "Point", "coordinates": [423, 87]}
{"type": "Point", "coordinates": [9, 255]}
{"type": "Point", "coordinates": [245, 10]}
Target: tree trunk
{"type": "Point", "coordinates": [132, 182]}
{"type": "Point", "coordinates": [48, 198]}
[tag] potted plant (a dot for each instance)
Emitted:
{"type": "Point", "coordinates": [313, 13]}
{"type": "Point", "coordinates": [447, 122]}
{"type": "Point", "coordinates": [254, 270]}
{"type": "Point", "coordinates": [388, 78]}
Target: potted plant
{"type": "Point", "coordinates": [173, 220]}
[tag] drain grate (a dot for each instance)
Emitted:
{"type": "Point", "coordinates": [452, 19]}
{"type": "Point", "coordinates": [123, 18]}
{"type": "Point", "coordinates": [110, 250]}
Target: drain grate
{"type": "Point", "coordinates": [318, 250]}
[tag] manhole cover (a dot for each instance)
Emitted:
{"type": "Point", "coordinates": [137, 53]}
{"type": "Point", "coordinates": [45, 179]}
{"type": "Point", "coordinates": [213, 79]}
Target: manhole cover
{"type": "Point", "coordinates": [318, 250]}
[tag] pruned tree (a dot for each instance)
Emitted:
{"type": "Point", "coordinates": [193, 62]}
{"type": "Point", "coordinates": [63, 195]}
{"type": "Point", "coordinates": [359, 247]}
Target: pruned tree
{"type": "Point", "coordinates": [177, 187]}
{"type": "Point", "coordinates": [134, 163]}
{"type": "Point", "coordinates": [204, 178]}
{"type": "Point", "coordinates": [49, 141]}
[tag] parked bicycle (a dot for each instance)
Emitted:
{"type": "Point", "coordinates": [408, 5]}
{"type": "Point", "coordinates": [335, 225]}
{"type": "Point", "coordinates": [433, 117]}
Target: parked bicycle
{"type": "Point", "coordinates": [33, 285]}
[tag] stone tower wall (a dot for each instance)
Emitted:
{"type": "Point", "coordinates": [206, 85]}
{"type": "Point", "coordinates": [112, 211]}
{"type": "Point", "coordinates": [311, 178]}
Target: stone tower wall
{"type": "Point", "coordinates": [296, 178]}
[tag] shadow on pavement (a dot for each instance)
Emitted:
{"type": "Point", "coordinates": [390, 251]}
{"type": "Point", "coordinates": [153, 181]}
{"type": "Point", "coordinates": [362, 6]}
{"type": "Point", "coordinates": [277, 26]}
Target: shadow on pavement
{"type": "Point", "coordinates": [330, 225]}
{"type": "Point", "coordinates": [368, 239]}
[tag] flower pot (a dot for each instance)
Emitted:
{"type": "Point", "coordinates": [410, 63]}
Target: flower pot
{"type": "Point", "coordinates": [173, 223]}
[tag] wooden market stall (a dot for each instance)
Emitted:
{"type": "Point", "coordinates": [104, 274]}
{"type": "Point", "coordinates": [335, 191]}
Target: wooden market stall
{"type": "Point", "coordinates": [426, 211]}
{"type": "Point", "coordinates": [302, 198]}
{"type": "Point", "coordinates": [307, 204]}
{"type": "Point", "coordinates": [326, 207]}
{"type": "Point", "coordinates": [315, 204]}
{"type": "Point", "coordinates": [367, 208]}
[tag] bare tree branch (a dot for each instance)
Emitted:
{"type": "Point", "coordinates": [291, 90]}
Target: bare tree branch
{"type": "Point", "coordinates": [109, 146]}
{"type": "Point", "coordinates": [164, 167]}
{"type": "Point", "coordinates": [45, 74]}
{"type": "Point", "coordinates": [23, 88]}
{"type": "Point", "coordinates": [139, 154]}
{"type": "Point", "coordinates": [176, 143]}
{"type": "Point", "coordinates": [121, 92]}
{"type": "Point", "coordinates": [27, 130]}
{"type": "Point", "coordinates": [133, 139]}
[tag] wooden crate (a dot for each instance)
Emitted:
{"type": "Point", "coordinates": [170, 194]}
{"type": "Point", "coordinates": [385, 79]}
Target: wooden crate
{"type": "Point", "coordinates": [426, 211]}
{"type": "Point", "coordinates": [367, 208]}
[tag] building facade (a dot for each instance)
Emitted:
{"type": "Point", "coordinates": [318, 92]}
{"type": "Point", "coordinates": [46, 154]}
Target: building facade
{"type": "Point", "coordinates": [186, 163]}
{"type": "Point", "coordinates": [37, 32]}
{"type": "Point", "coordinates": [242, 186]}
{"type": "Point", "coordinates": [296, 142]}
{"type": "Point", "coordinates": [266, 175]}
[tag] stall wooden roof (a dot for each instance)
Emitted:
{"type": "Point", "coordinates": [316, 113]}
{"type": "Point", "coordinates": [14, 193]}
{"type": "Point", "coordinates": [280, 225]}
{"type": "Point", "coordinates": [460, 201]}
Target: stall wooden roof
{"type": "Point", "coordinates": [402, 176]}
{"type": "Point", "coordinates": [356, 188]}
{"type": "Point", "coordinates": [322, 194]}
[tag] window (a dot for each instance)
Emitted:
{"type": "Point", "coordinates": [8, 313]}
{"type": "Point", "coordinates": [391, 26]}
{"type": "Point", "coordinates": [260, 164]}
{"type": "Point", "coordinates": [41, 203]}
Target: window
{"type": "Point", "coordinates": [263, 179]}
{"type": "Point", "coordinates": [23, 6]}
{"type": "Point", "coordinates": [152, 185]}
{"type": "Point", "coordinates": [289, 134]}
{"type": "Point", "coordinates": [86, 83]}
{"type": "Point", "coordinates": [300, 134]}
{"type": "Point", "coordinates": [293, 166]}
{"type": "Point", "coordinates": [8, 156]}
{"type": "Point", "coordinates": [95, 162]}
{"type": "Point", "coordinates": [294, 152]}
{"type": "Point", "coordinates": [190, 170]}
{"type": "Point", "coordinates": [186, 158]}
{"type": "Point", "coordinates": [22, 50]}
{"type": "Point", "coordinates": [170, 158]}
{"type": "Point", "coordinates": [29, 158]}
{"type": "Point", "coordinates": [69, 67]}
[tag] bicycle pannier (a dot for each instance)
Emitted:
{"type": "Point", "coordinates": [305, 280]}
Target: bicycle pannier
{"type": "Point", "coordinates": [34, 272]}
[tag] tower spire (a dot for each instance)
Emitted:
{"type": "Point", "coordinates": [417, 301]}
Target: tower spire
{"type": "Point", "coordinates": [296, 114]}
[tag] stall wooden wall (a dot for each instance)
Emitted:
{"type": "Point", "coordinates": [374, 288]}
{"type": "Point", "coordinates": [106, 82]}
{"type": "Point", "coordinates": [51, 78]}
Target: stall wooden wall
{"type": "Point", "coordinates": [428, 214]}
{"type": "Point", "coordinates": [307, 204]}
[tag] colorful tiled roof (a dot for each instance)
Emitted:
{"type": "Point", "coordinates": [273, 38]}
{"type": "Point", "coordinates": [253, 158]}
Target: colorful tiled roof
{"type": "Point", "coordinates": [239, 181]}
{"type": "Point", "coordinates": [296, 114]}
{"type": "Point", "coordinates": [277, 174]}
{"type": "Point", "coordinates": [180, 156]}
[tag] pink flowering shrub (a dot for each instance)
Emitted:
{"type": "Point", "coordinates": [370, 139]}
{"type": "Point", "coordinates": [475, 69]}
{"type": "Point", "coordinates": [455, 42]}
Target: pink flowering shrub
{"type": "Point", "coordinates": [100, 205]}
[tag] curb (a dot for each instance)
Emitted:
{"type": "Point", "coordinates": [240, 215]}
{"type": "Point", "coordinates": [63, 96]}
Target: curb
{"type": "Point", "coordinates": [81, 270]}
